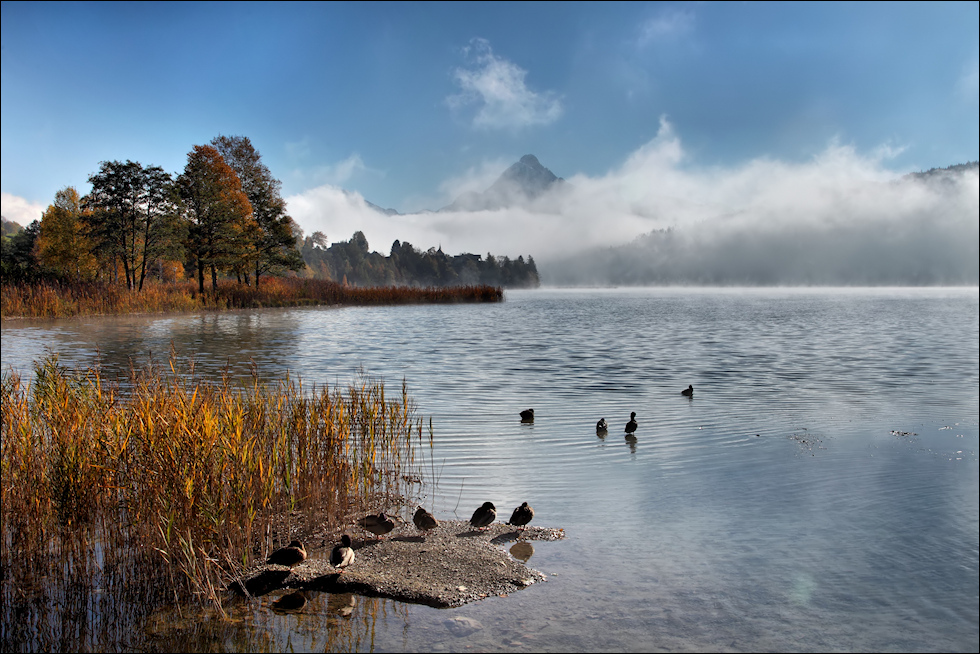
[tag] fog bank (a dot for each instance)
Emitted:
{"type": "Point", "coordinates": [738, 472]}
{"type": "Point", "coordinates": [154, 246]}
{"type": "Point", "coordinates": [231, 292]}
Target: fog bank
{"type": "Point", "coordinates": [840, 218]}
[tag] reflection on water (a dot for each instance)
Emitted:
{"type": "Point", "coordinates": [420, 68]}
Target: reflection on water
{"type": "Point", "coordinates": [818, 492]}
{"type": "Point", "coordinates": [522, 551]}
{"type": "Point", "coordinates": [291, 603]}
{"type": "Point", "coordinates": [341, 604]}
{"type": "Point", "coordinates": [282, 621]}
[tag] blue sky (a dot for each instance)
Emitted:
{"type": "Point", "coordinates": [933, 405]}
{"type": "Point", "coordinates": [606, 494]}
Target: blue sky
{"type": "Point", "coordinates": [408, 104]}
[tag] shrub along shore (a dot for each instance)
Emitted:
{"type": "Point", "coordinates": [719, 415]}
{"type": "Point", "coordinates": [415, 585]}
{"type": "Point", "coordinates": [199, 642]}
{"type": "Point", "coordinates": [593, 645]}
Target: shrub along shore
{"type": "Point", "coordinates": [62, 300]}
{"type": "Point", "coordinates": [121, 496]}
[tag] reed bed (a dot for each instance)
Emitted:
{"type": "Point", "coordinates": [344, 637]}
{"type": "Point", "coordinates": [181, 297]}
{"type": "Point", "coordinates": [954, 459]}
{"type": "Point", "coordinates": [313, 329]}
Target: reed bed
{"type": "Point", "coordinates": [62, 300]}
{"type": "Point", "coordinates": [118, 497]}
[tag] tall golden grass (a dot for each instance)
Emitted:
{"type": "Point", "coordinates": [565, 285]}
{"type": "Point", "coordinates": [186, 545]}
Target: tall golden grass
{"type": "Point", "coordinates": [119, 497]}
{"type": "Point", "coordinates": [57, 300]}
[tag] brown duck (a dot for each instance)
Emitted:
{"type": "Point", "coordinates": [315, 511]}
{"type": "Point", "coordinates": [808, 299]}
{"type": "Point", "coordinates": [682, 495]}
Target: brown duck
{"type": "Point", "coordinates": [293, 554]}
{"type": "Point", "coordinates": [379, 525]}
{"type": "Point", "coordinates": [521, 516]}
{"type": "Point", "coordinates": [424, 521]}
{"type": "Point", "coordinates": [484, 516]}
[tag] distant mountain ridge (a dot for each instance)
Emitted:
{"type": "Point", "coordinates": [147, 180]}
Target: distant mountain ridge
{"type": "Point", "coordinates": [380, 209]}
{"type": "Point", "coordinates": [946, 173]}
{"type": "Point", "coordinates": [523, 182]}
{"type": "Point", "coordinates": [528, 179]}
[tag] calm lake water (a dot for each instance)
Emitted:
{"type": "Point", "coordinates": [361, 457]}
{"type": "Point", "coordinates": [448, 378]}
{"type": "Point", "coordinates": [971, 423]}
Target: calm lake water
{"type": "Point", "coordinates": [818, 493]}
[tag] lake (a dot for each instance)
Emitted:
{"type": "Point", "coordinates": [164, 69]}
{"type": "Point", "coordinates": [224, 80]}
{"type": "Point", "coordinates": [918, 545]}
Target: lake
{"type": "Point", "coordinates": [818, 492]}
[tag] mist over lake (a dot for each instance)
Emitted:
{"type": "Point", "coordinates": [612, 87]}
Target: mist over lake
{"type": "Point", "coordinates": [819, 491]}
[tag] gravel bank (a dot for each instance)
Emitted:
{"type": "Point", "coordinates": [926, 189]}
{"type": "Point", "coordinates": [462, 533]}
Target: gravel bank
{"type": "Point", "coordinates": [449, 566]}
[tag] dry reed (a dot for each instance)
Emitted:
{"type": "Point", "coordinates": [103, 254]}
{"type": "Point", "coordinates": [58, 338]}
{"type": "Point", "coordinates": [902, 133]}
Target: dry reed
{"type": "Point", "coordinates": [117, 498]}
{"type": "Point", "coordinates": [57, 300]}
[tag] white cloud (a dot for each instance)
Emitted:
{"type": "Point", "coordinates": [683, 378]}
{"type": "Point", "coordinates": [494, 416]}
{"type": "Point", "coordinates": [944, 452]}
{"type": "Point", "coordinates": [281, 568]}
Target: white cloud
{"type": "Point", "coordinates": [19, 210]}
{"type": "Point", "coordinates": [334, 174]}
{"type": "Point", "coordinates": [668, 24]}
{"type": "Point", "coordinates": [497, 86]}
{"type": "Point", "coordinates": [841, 209]}
{"type": "Point", "coordinates": [343, 171]}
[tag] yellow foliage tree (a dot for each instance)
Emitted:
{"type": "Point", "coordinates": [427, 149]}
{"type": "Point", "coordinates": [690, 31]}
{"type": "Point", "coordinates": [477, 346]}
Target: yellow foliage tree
{"type": "Point", "coordinates": [63, 248]}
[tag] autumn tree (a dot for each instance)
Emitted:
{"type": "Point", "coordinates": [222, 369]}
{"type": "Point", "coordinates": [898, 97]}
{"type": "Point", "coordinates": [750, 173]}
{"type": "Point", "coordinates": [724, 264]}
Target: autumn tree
{"type": "Point", "coordinates": [63, 247]}
{"type": "Point", "coordinates": [221, 231]}
{"type": "Point", "coordinates": [133, 217]}
{"type": "Point", "coordinates": [18, 259]}
{"type": "Point", "coordinates": [274, 242]}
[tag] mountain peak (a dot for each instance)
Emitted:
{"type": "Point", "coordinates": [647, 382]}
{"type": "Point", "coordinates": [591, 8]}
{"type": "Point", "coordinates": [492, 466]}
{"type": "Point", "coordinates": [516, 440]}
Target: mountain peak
{"type": "Point", "coordinates": [522, 182]}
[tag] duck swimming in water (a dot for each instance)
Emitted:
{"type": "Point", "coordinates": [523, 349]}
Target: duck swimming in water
{"type": "Point", "coordinates": [379, 525]}
{"type": "Point", "coordinates": [291, 555]}
{"type": "Point", "coordinates": [342, 555]}
{"type": "Point", "coordinates": [521, 516]}
{"type": "Point", "coordinates": [688, 392]}
{"type": "Point", "coordinates": [527, 415]}
{"type": "Point", "coordinates": [484, 516]}
{"type": "Point", "coordinates": [631, 425]}
{"type": "Point", "coordinates": [601, 427]}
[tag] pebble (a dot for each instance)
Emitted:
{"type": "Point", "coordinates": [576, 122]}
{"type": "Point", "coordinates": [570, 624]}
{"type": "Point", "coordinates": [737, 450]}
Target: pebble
{"type": "Point", "coordinates": [461, 627]}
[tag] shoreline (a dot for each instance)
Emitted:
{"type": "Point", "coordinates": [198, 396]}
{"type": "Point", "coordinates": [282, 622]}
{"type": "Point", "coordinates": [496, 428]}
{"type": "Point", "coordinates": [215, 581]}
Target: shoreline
{"type": "Point", "coordinates": [50, 300]}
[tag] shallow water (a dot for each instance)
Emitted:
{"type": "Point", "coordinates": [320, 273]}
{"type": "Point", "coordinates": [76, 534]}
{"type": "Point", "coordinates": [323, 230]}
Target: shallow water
{"type": "Point", "coordinates": [819, 492]}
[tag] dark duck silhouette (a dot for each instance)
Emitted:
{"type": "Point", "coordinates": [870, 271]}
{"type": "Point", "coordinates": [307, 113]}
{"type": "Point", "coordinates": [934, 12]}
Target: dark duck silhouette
{"type": "Point", "coordinates": [342, 555]}
{"type": "Point", "coordinates": [521, 516]}
{"type": "Point", "coordinates": [601, 427]}
{"type": "Point", "coordinates": [484, 516]}
{"type": "Point", "coordinates": [291, 603]}
{"type": "Point", "coordinates": [631, 425]}
{"type": "Point", "coordinates": [292, 554]}
{"type": "Point", "coordinates": [379, 525]}
{"type": "Point", "coordinates": [688, 392]}
{"type": "Point", "coordinates": [424, 521]}
{"type": "Point", "coordinates": [527, 415]}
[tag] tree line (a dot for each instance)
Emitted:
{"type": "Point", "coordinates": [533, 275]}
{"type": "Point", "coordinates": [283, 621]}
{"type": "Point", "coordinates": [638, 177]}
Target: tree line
{"type": "Point", "coordinates": [224, 215]}
{"type": "Point", "coordinates": [352, 262]}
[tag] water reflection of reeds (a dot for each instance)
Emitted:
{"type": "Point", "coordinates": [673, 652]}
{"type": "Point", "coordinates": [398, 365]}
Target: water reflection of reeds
{"type": "Point", "coordinates": [117, 500]}
{"type": "Point", "coordinates": [326, 622]}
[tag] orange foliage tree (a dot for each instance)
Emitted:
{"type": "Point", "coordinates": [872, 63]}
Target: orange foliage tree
{"type": "Point", "coordinates": [222, 229]}
{"type": "Point", "coordinates": [274, 240]}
